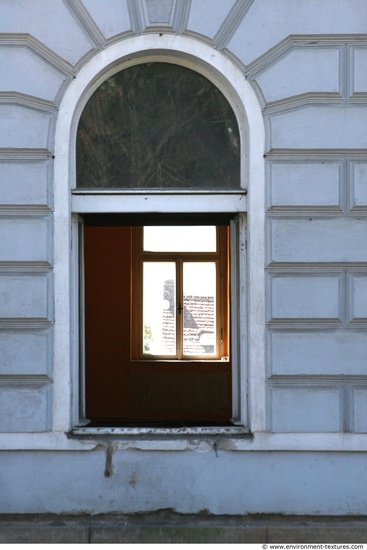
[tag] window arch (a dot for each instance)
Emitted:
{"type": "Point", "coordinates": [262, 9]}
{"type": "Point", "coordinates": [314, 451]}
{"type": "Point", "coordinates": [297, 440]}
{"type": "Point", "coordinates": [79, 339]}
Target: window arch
{"type": "Point", "coordinates": [158, 125]}
{"type": "Point", "coordinates": [229, 79]}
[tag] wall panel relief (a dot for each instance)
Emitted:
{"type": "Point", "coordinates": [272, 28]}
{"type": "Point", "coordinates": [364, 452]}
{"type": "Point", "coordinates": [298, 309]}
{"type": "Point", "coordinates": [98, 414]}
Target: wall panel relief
{"type": "Point", "coordinates": [113, 21]}
{"type": "Point", "coordinates": [26, 295]}
{"type": "Point", "coordinates": [316, 186]}
{"type": "Point", "coordinates": [318, 240]}
{"type": "Point", "coordinates": [312, 184]}
{"type": "Point", "coordinates": [358, 190]}
{"type": "Point", "coordinates": [306, 296]}
{"type": "Point", "coordinates": [305, 409]}
{"type": "Point", "coordinates": [25, 409]}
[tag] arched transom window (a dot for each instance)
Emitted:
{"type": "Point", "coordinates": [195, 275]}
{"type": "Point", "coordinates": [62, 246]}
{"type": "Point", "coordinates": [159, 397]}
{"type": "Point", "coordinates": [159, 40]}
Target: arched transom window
{"type": "Point", "coordinates": [158, 125]}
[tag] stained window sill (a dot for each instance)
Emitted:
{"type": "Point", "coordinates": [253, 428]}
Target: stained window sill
{"type": "Point", "coordinates": [154, 191]}
{"type": "Point", "coordinates": [155, 432]}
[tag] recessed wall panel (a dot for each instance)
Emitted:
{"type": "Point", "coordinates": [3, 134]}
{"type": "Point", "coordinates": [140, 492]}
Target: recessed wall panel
{"type": "Point", "coordinates": [318, 240]}
{"type": "Point", "coordinates": [320, 127]}
{"type": "Point", "coordinates": [37, 77]}
{"type": "Point", "coordinates": [55, 26]}
{"type": "Point", "coordinates": [359, 60]}
{"type": "Point", "coordinates": [159, 11]}
{"type": "Point", "coordinates": [215, 13]}
{"type": "Point", "coordinates": [25, 183]}
{"type": "Point", "coordinates": [23, 128]}
{"type": "Point", "coordinates": [266, 25]}
{"type": "Point", "coordinates": [320, 73]}
{"type": "Point", "coordinates": [305, 409]}
{"type": "Point", "coordinates": [360, 410]}
{"type": "Point", "coordinates": [24, 409]}
{"type": "Point", "coordinates": [25, 352]}
{"type": "Point", "coordinates": [25, 239]}
{"type": "Point", "coordinates": [112, 21]}
{"type": "Point", "coordinates": [318, 353]}
{"type": "Point", "coordinates": [25, 296]}
{"type": "Point", "coordinates": [358, 297]}
{"type": "Point", "coordinates": [359, 185]}
{"type": "Point", "coordinates": [304, 184]}
{"type": "Point", "coordinates": [305, 297]}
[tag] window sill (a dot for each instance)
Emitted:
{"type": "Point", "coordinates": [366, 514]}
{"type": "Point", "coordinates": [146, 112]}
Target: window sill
{"type": "Point", "coordinates": [165, 433]}
{"type": "Point", "coordinates": [151, 191]}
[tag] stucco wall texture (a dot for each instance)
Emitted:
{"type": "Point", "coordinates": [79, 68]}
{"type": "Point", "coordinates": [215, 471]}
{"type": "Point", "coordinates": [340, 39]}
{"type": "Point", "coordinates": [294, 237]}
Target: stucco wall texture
{"type": "Point", "coordinates": [307, 64]}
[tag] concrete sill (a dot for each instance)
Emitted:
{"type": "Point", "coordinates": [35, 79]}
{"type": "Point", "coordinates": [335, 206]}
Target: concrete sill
{"type": "Point", "coordinates": [169, 433]}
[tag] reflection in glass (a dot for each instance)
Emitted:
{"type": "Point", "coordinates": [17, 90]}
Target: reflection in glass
{"type": "Point", "coordinates": [199, 294]}
{"type": "Point", "coordinates": [158, 125]}
{"type": "Point", "coordinates": [159, 308]}
{"type": "Point", "coordinates": [180, 239]}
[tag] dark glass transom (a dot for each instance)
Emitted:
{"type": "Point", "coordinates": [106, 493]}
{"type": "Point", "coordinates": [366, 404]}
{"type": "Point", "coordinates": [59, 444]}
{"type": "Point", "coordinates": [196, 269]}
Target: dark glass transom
{"type": "Point", "coordinates": [158, 125]}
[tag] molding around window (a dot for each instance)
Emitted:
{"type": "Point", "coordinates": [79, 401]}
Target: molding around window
{"type": "Point", "coordinates": [230, 80]}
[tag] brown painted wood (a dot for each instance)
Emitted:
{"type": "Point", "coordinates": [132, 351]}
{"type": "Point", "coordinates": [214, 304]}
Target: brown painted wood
{"type": "Point", "coordinates": [119, 390]}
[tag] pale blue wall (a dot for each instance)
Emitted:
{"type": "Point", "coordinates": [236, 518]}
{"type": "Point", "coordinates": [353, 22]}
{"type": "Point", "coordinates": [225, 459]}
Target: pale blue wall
{"type": "Point", "coordinates": [187, 482]}
{"type": "Point", "coordinates": [307, 63]}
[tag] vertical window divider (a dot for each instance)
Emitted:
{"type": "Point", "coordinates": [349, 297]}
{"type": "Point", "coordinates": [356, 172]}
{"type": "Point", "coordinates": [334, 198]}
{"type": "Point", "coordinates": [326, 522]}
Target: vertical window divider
{"type": "Point", "coordinates": [179, 303]}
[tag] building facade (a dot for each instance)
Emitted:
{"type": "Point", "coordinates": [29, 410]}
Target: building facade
{"type": "Point", "coordinates": [294, 75]}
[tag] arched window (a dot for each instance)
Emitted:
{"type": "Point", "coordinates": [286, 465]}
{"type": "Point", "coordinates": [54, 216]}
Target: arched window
{"type": "Point", "coordinates": [158, 126]}
{"type": "Point", "coordinates": [158, 146]}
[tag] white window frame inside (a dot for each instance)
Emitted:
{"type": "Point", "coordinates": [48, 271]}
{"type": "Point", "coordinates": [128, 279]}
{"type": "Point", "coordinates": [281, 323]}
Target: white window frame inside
{"type": "Point", "coordinates": [247, 226]}
{"type": "Point", "coordinates": [238, 315]}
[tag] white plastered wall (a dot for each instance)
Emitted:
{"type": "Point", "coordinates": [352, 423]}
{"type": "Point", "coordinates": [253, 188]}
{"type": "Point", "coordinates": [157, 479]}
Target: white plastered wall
{"type": "Point", "coordinates": [315, 168]}
{"type": "Point", "coordinates": [298, 66]}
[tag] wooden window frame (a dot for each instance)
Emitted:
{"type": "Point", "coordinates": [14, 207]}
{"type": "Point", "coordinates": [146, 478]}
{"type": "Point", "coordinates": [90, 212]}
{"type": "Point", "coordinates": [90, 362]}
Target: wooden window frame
{"type": "Point", "coordinates": [222, 314]}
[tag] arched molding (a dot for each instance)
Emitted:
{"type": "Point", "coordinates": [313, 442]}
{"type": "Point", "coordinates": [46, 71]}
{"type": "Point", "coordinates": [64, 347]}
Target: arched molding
{"type": "Point", "coordinates": [230, 80]}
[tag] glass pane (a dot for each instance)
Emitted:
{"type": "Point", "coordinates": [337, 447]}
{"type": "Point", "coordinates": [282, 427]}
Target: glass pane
{"type": "Point", "coordinates": [199, 289]}
{"type": "Point", "coordinates": [159, 308]}
{"type": "Point", "coordinates": [180, 239]}
{"type": "Point", "coordinates": [158, 125]}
